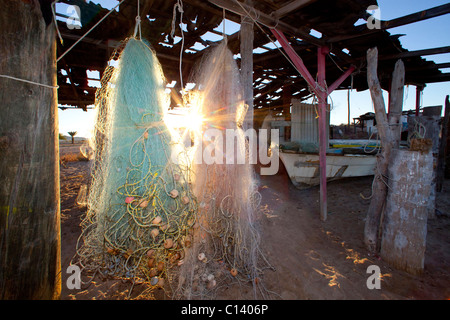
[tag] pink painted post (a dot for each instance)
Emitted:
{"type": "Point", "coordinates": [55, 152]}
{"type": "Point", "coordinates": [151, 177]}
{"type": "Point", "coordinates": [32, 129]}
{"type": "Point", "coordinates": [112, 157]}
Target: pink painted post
{"type": "Point", "coordinates": [341, 79]}
{"type": "Point", "coordinates": [322, 93]}
{"type": "Point", "coordinates": [323, 134]}
{"type": "Point", "coordinates": [296, 60]}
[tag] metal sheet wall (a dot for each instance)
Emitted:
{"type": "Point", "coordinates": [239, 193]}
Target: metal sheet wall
{"type": "Point", "coordinates": [305, 122]}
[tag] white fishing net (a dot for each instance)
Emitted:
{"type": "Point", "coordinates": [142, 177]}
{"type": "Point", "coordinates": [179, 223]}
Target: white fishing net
{"type": "Point", "coordinates": [226, 237]}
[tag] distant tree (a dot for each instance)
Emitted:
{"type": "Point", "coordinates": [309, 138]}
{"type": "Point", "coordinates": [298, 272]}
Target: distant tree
{"type": "Point", "coordinates": [62, 137]}
{"type": "Point", "coordinates": [72, 134]}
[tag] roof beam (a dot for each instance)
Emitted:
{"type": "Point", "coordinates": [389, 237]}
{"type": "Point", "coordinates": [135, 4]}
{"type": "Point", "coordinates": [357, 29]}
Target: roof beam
{"type": "Point", "coordinates": [416, 17]}
{"type": "Point", "coordinates": [443, 65]}
{"type": "Point", "coordinates": [290, 7]}
{"type": "Point", "coordinates": [428, 79]}
{"type": "Point", "coordinates": [429, 66]}
{"type": "Point", "coordinates": [398, 22]}
{"type": "Point", "coordinates": [265, 19]}
{"type": "Point", "coordinates": [409, 54]}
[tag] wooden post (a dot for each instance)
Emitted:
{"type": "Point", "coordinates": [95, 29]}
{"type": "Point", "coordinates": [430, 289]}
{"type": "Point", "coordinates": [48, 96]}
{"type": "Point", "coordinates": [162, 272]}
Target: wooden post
{"type": "Point", "coordinates": [396, 102]}
{"type": "Point", "coordinates": [372, 225]}
{"type": "Point", "coordinates": [405, 219]}
{"type": "Point", "coordinates": [247, 36]}
{"type": "Point", "coordinates": [323, 133]}
{"type": "Point", "coordinates": [29, 167]}
{"type": "Point", "coordinates": [440, 171]}
{"type": "Point", "coordinates": [419, 90]}
{"type": "Point", "coordinates": [447, 142]}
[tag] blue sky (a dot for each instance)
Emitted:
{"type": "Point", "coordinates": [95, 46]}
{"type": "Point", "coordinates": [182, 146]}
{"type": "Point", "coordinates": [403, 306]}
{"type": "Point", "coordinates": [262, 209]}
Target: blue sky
{"type": "Point", "coordinates": [426, 34]}
{"type": "Point", "coordinates": [421, 35]}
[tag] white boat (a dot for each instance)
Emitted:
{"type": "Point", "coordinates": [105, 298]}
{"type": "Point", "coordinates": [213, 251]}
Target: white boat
{"type": "Point", "coordinates": [304, 169]}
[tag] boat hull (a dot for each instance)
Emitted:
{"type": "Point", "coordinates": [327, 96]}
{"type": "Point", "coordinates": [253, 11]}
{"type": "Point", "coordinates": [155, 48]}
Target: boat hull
{"type": "Point", "coordinates": [304, 169]}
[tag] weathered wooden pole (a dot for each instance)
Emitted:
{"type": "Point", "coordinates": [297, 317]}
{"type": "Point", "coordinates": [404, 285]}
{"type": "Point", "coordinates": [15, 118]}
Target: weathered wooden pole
{"type": "Point", "coordinates": [29, 166]}
{"type": "Point", "coordinates": [396, 102]}
{"type": "Point", "coordinates": [246, 37]}
{"type": "Point", "coordinates": [323, 133]}
{"type": "Point", "coordinates": [379, 191]}
{"type": "Point", "coordinates": [419, 90]}
{"type": "Point", "coordinates": [443, 148]}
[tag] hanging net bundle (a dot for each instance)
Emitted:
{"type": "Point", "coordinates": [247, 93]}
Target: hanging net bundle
{"type": "Point", "coordinates": [140, 205]}
{"type": "Point", "coordinates": [226, 243]}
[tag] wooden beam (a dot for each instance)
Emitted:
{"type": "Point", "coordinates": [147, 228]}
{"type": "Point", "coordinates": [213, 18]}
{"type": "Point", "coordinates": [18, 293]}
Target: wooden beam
{"type": "Point", "coordinates": [443, 65]}
{"type": "Point", "coordinates": [409, 54]}
{"type": "Point", "coordinates": [266, 20]}
{"type": "Point", "coordinates": [103, 45]}
{"type": "Point", "coordinates": [416, 17]}
{"type": "Point", "coordinates": [443, 77]}
{"type": "Point", "coordinates": [429, 66]}
{"type": "Point", "coordinates": [362, 30]}
{"type": "Point", "coordinates": [290, 7]}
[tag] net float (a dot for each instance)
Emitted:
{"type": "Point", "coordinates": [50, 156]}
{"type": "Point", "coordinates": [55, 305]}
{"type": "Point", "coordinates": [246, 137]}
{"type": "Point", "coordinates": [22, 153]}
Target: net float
{"type": "Point", "coordinates": [129, 199]}
{"type": "Point", "coordinates": [143, 204]}
{"type": "Point", "coordinates": [201, 256]}
{"type": "Point", "coordinates": [185, 200]}
{"type": "Point", "coordinates": [211, 284]}
{"type": "Point", "coordinates": [154, 233]}
{"type": "Point", "coordinates": [168, 243]}
{"type": "Point", "coordinates": [152, 273]}
{"type": "Point", "coordinates": [157, 220]}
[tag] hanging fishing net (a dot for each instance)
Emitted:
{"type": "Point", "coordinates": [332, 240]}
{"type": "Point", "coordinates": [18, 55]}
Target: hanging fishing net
{"type": "Point", "coordinates": [140, 207]}
{"type": "Point", "coordinates": [160, 213]}
{"type": "Point", "coordinates": [226, 240]}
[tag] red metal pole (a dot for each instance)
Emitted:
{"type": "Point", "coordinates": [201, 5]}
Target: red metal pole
{"type": "Point", "coordinates": [296, 60]}
{"type": "Point", "coordinates": [341, 79]}
{"type": "Point", "coordinates": [322, 92]}
{"type": "Point", "coordinates": [323, 134]}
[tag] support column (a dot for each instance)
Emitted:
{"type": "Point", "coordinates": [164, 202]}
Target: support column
{"type": "Point", "coordinates": [30, 267]}
{"type": "Point", "coordinates": [419, 90]}
{"type": "Point", "coordinates": [322, 96]}
{"type": "Point", "coordinates": [323, 133]}
{"type": "Point", "coordinates": [247, 67]}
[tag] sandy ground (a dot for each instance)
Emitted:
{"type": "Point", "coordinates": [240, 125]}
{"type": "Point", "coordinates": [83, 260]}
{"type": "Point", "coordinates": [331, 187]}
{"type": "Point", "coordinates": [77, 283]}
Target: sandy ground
{"type": "Point", "coordinates": [311, 259]}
